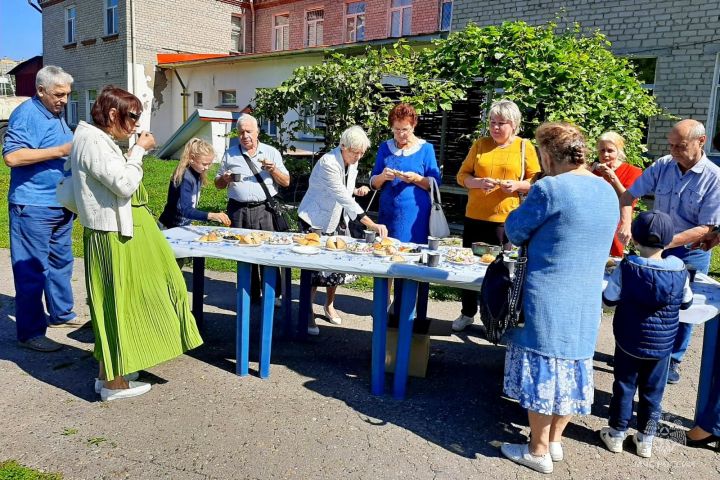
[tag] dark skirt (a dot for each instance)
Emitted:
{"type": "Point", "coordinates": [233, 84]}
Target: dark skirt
{"type": "Point", "coordinates": [327, 279]}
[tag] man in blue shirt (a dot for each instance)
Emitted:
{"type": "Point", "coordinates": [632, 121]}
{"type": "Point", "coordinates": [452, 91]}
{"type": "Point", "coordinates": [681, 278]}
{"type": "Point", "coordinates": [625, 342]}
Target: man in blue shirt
{"type": "Point", "coordinates": [686, 186]}
{"type": "Point", "coordinates": [36, 144]}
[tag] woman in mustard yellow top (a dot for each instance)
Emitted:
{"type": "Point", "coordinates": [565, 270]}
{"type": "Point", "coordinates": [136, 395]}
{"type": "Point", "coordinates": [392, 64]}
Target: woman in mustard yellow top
{"type": "Point", "coordinates": [493, 174]}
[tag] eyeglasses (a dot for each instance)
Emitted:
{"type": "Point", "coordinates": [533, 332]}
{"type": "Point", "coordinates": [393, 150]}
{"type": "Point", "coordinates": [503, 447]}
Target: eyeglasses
{"type": "Point", "coordinates": [402, 130]}
{"type": "Point", "coordinates": [134, 116]}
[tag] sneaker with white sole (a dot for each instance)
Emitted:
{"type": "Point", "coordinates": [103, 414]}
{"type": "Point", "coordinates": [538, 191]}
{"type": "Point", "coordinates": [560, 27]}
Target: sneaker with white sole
{"type": "Point", "coordinates": [520, 453]}
{"type": "Point", "coordinates": [130, 377]}
{"type": "Point", "coordinates": [136, 389]}
{"type": "Point", "coordinates": [461, 322]}
{"type": "Point", "coordinates": [643, 446]}
{"type": "Point", "coordinates": [614, 444]}
{"type": "Point", "coordinates": [556, 451]}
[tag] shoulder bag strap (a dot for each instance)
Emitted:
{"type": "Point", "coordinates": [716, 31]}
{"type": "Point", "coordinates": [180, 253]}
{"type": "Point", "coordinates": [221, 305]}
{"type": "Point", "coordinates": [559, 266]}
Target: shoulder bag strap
{"type": "Point", "coordinates": [434, 191]}
{"type": "Point", "coordinates": [257, 175]}
{"type": "Point", "coordinates": [522, 163]}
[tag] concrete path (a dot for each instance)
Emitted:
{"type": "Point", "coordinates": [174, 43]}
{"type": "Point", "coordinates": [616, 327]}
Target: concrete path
{"type": "Point", "coordinates": [314, 417]}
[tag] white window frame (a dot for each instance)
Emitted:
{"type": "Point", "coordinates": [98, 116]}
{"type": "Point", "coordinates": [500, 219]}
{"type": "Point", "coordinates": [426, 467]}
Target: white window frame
{"type": "Point", "coordinates": [199, 95]}
{"type": "Point", "coordinates": [442, 8]}
{"type": "Point", "coordinates": [269, 127]}
{"type": "Point", "coordinates": [241, 41]}
{"type": "Point", "coordinates": [221, 101]}
{"type": "Point", "coordinates": [355, 17]}
{"type": "Point", "coordinates": [713, 121]}
{"type": "Point", "coordinates": [70, 25]}
{"type": "Point", "coordinates": [278, 29]}
{"type": "Point", "coordinates": [400, 11]}
{"type": "Point", "coordinates": [314, 24]}
{"type": "Point", "coordinates": [89, 103]}
{"type": "Point", "coordinates": [115, 17]}
{"type": "Point", "coordinates": [313, 121]}
{"type": "Point", "coordinates": [71, 109]}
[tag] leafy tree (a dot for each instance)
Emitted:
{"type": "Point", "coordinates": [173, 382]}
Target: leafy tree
{"type": "Point", "coordinates": [551, 76]}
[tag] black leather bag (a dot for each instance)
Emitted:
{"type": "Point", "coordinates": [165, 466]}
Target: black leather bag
{"type": "Point", "coordinates": [281, 220]}
{"type": "Point", "coordinates": [501, 297]}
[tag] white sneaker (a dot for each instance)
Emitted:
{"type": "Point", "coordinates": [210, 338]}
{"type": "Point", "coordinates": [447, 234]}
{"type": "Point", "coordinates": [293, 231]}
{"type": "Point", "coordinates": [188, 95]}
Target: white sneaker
{"type": "Point", "coordinates": [136, 389]}
{"type": "Point", "coordinates": [520, 453]}
{"type": "Point", "coordinates": [461, 322]}
{"type": "Point", "coordinates": [642, 446]}
{"type": "Point", "coordinates": [556, 452]}
{"type": "Point", "coordinates": [614, 444]}
{"type": "Point", "coordinates": [129, 377]}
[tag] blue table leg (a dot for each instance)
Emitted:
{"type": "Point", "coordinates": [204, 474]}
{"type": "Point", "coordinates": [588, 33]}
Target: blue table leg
{"type": "Point", "coordinates": [422, 301]}
{"type": "Point", "coordinates": [269, 279]}
{"type": "Point", "coordinates": [708, 364]}
{"type": "Point", "coordinates": [405, 328]}
{"type": "Point", "coordinates": [242, 332]}
{"type": "Point", "coordinates": [198, 286]}
{"type": "Point", "coordinates": [379, 335]}
{"type": "Point", "coordinates": [305, 308]}
{"type": "Point", "coordinates": [287, 302]}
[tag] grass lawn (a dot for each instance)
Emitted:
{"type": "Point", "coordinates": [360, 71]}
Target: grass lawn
{"type": "Point", "coordinates": [156, 179]}
{"type": "Point", "coordinates": [12, 470]}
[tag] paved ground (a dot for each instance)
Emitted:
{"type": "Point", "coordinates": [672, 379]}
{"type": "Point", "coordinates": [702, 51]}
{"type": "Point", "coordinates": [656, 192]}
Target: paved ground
{"type": "Point", "coordinates": [314, 417]}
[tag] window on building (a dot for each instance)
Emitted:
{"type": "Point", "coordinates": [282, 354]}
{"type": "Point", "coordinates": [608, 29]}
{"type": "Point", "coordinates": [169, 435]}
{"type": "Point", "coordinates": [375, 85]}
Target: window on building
{"type": "Point", "coordinates": [645, 70]}
{"type": "Point", "coordinates": [713, 126]}
{"type": "Point", "coordinates": [281, 32]}
{"type": "Point", "coordinates": [400, 17]}
{"type": "Point", "coordinates": [197, 97]}
{"type": "Point", "coordinates": [446, 14]}
{"type": "Point", "coordinates": [111, 17]}
{"type": "Point", "coordinates": [314, 28]}
{"type": "Point", "coordinates": [71, 109]}
{"type": "Point", "coordinates": [355, 22]}
{"type": "Point", "coordinates": [269, 127]}
{"type": "Point", "coordinates": [90, 98]}
{"type": "Point", "coordinates": [228, 98]}
{"type": "Point", "coordinates": [237, 35]}
{"type": "Point", "coordinates": [315, 122]}
{"type": "Point", "coordinates": [70, 27]}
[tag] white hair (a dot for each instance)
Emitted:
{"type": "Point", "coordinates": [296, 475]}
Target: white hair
{"type": "Point", "coordinates": [246, 117]}
{"type": "Point", "coordinates": [507, 110]}
{"type": "Point", "coordinates": [51, 76]}
{"type": "Point", "coordinates": [355, 138]}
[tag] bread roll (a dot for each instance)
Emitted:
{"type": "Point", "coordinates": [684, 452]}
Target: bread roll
{"type": "Point", "coordinates": [330, 245]}
{"type": "Point", "coordinates": [312, 236]}
{"type": "Point", "coordinates": [385, 242]}
{"type": "Point", "coordinates": [341, 244]}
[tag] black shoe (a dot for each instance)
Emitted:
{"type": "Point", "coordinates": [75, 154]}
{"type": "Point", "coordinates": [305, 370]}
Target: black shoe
{"type": "Point", "coordinates": [704, 442]}
{"type": "Point", "coordinates": [673, 373]}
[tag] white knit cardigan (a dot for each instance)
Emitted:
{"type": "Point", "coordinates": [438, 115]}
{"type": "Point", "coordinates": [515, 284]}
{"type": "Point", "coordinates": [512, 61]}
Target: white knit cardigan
{"type": "Point", "coordinates": [104, 180]}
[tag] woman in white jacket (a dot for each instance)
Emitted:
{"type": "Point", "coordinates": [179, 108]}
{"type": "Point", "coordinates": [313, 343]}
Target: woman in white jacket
{"type": "Point", "coordinates": [136, 294]}
{"type": "Point", "coordinates": [329, 204]}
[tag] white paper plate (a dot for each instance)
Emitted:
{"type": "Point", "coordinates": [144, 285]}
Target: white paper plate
{"type": "Point", "coordinates": [305, 250]}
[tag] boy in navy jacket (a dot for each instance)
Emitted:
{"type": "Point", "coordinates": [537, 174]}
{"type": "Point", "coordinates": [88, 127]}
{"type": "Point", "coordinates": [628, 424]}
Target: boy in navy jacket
{"type": "Point", "coordinates": [648, 291]}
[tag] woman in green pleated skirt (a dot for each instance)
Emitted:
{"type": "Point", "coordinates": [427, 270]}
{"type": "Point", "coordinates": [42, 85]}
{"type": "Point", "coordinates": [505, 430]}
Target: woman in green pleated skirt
{"type": "Point", "coordinates": [136, 293]}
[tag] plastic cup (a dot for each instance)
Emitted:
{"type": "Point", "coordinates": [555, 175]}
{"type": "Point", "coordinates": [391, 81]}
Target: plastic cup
{"type": "Point", "coordinates": [237, 177]}
{"type": "Point", "coordinates": [369, 236]}
{"type": "Point", "coordinates": [433, 243]}
{"type": "Point", "coordinates": [433, 259]}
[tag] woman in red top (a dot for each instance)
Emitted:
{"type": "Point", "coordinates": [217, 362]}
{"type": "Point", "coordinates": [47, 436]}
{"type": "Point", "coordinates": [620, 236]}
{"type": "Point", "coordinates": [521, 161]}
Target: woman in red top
{"type": "Point", "coordinates": [613, 168]}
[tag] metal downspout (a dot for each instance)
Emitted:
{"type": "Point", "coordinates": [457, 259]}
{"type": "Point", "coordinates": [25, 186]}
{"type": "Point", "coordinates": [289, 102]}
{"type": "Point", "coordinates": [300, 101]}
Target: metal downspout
{"type": "Point", "coordinates": [184, 96]}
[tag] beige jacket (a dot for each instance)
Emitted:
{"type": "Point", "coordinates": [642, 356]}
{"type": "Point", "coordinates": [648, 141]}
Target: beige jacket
{"type": "Point", "coordinates": [104, 180]}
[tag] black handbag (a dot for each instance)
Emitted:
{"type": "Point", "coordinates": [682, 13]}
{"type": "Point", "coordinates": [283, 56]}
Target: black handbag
{"type": "Point", "coordinates": [501, 296]}
{"type": "Point", "coordinates": [281, 221]}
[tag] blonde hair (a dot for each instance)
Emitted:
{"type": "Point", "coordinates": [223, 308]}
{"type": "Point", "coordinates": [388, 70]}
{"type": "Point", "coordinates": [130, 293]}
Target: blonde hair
{"type": "Point", "coordinates": [509, 111]}
{"type": "Point", "coordinates": [563, 142]}
{"type": "Point", "coordinates": [194, 149]}
{"type": "Point", "coordinates": [617, 140]}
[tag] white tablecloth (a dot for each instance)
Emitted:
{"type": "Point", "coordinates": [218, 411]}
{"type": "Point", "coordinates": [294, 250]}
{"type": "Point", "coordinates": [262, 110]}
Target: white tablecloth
{"type": "Point", "coordinates": [184, 244]}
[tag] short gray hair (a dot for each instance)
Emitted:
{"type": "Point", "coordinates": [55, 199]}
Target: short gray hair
{"type": "Point", "coordinates": [507, 110]}
{"type": "Point", "coordinates": [697, 131]}
{"type": "Point", "coordinates": [355, 138]}
{"type": "Point", "coordinates": [246, 117]}
{"type": "Point", "coordinates": [51, 76]}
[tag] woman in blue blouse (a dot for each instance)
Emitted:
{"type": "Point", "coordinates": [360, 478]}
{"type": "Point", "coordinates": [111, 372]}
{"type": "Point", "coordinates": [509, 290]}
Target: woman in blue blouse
{"type": "Point", "coordinates": [402, 172]}
{"type": "Point", "coordinates": [567, 221]}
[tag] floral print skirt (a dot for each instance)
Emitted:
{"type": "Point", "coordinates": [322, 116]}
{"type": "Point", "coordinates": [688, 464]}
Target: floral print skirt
{"type": "Point", "coordinates": [547, 385]}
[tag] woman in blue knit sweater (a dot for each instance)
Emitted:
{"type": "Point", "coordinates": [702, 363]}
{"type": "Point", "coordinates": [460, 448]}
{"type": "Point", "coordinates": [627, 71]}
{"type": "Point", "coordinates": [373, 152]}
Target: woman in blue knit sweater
{"type": "Point", "coordinates": [567, 221]}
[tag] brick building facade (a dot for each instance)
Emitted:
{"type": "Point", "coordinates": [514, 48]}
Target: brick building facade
{"type": "Point", "coordinates": [680, 38]}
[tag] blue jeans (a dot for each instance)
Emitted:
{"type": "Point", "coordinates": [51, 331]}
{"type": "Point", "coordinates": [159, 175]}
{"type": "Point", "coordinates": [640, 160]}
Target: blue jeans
{"type": "Point", "coordinates": [701, 261]}
{"type": "Point", "coordinates": [709, 418]}
{"type": "Point", "coordinates": [42, 262]}
{"type": "Point", "coordinates": [649, 378]}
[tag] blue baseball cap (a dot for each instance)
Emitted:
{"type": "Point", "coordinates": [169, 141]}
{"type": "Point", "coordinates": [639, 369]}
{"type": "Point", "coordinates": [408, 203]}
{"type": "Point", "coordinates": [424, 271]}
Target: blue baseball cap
{"type": "Point", "coordinates": [653, 229]}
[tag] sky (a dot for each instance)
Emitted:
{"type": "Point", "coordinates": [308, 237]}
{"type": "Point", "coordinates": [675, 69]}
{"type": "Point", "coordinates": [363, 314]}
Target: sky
{"type": "Point", "coordinates": [20, 30]}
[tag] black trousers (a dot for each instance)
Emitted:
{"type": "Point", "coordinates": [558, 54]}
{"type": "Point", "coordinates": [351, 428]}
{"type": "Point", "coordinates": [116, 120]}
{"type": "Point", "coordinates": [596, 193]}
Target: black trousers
{"type": "Point", "coordinates": [255, 217]}
{"type": "Point", "coordinates": [479, 231]}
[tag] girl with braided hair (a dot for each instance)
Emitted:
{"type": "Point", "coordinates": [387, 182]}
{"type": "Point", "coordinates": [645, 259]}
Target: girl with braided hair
{"type": "Point", "coordinates": [567, 222]}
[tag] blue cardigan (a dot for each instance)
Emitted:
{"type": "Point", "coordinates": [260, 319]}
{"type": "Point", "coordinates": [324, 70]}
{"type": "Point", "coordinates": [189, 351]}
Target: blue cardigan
{"type": "Point", "coordinates": [181, 206]}
{"type": "Point", "coordinates": [568, 221]}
